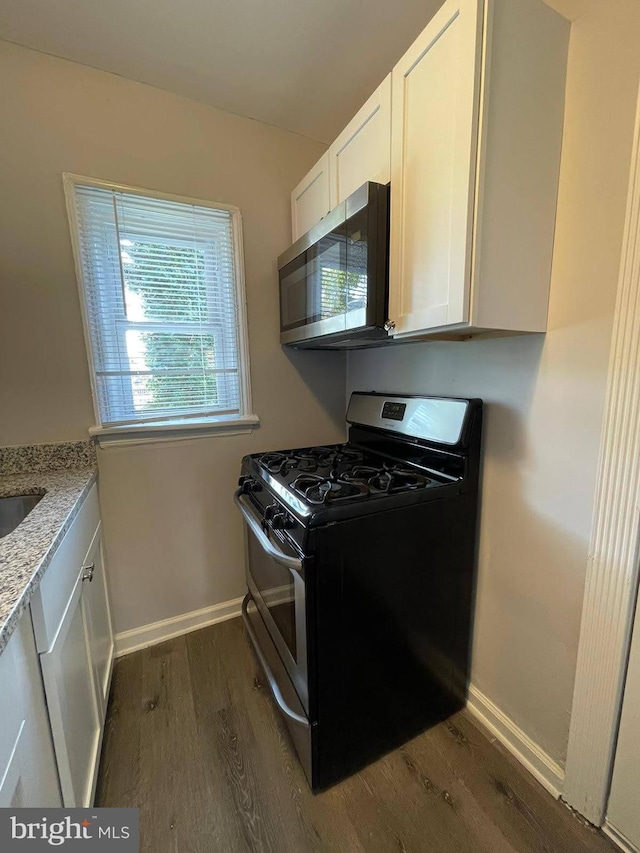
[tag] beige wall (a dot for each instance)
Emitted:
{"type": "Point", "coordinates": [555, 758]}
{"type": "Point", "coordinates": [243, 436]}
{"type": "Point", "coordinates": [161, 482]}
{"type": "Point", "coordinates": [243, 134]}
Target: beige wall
{"type": "Point", "coordinates": [545, 397]}
{"type": "Point", "coordinates": [173, 536]}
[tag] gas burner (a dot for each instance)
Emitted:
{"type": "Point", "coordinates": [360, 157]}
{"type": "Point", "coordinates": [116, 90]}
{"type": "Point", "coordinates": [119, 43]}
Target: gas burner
{"type": "Point", "coordinates": [396, 479]}
{"type": "Point", "coordinates": [321, 490]}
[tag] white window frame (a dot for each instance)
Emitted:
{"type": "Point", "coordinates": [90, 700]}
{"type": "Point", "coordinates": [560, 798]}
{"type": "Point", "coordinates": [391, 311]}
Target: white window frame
{"type": "Point", "coordinates": [179, 427]}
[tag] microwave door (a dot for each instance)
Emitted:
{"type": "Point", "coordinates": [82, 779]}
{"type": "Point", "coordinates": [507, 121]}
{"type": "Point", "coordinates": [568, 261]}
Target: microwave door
{"type": "Point", "coordinates": [328, 286]}
{"type": "Point", "coordinates": [334, 279]}
{"type": "Point", "coordinates": [357, 266]}
{"type": "Point", "coordinates": [294, 297]}
{"type": "Point", "coordinates": [313, 288]}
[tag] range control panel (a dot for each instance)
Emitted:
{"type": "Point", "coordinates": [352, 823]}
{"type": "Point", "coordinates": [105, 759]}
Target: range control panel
{"type": "Point", "coordinates": [393, 411]}
{"type": "Point", "coordinates": [439, 419]}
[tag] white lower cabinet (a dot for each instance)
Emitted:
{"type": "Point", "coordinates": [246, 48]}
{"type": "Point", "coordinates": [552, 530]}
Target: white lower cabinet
{"type": "Point", "coordinates": [69, 682]}
{"type": "Point", "coordinates": [76, 653]}
{"type": "Point", "coordinates": [28, 776]}
{"type": "Point", "coordinates": [98, 616]}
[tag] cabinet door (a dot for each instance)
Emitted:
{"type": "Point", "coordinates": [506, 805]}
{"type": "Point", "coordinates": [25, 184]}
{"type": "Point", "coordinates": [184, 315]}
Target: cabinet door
{"type": "Point", "coordinates": [310, 200]}
{"type": "Point", "coordinates": [362, 152]}
{"type": "Point", "coordinates": [28, 776]}
{"type": "Point", "coordinates": [96, 598]}
{"type": "Point", "coordinates": [30, 779]}
{"type": "Point", "coordinates": [435, 90]}
{"type": "Point", "coordinates": [73, 709]}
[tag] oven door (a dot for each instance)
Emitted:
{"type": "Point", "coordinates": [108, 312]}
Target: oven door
{"type": "Point", "coordinates": [275, 577]}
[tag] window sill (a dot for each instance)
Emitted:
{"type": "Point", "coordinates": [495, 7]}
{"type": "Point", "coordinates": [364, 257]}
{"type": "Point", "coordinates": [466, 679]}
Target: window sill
{"type": "Point", "coordinates": [178, 430]}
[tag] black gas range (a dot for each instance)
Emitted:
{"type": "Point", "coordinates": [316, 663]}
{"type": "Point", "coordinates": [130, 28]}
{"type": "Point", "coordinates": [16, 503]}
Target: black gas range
{"type": "Point", "coordinates": [360, 569]}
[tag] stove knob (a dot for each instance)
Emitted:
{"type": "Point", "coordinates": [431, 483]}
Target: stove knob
{"type": "Point", "coordinates": [282, 521]}
{"type": "Point", "coordinates": [271, 511]}
{"type": "Point", "coordinates": [248, 484]}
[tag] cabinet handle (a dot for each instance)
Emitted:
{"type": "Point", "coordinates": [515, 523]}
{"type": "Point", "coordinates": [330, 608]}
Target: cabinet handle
{"type": "Point", "coordinates": [390, 325]}
{"type": "Point", "coordinates": [87, 572]}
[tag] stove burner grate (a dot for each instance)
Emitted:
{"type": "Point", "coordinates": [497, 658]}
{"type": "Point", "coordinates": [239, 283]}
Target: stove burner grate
{"type": "Point", "coordinates": [295, 460]}
{"type": "Point", "coordinates": [325, 475]}
{"type": "Point", "coordinates": [388, 478]}
{"type": "Point", "coordinates": [312, 459]}
{"type": "Point", "coordinates": [309, 460]}
{"type": "Point", "coordinates": [274, 462]}
{"type": "Point", "coordinates": [361, 473]}
{"type": "Point", "coordinates": [397, 479]}
{"type": "Point", "coordinates": [321, 490]}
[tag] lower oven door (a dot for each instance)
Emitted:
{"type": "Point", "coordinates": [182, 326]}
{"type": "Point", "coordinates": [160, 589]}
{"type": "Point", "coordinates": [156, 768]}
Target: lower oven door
{"type": "Point", "coordinates": [286, 698]}
{"type": "Point", "coordinates": [275, 577]}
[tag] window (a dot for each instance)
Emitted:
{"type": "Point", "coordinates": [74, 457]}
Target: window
{"type": "Point", "coordinates": [163, 293]}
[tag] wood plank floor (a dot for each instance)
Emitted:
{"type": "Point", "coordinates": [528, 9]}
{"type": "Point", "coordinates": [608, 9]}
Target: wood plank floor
{"type": "Point", "coordinates": [194, 740]}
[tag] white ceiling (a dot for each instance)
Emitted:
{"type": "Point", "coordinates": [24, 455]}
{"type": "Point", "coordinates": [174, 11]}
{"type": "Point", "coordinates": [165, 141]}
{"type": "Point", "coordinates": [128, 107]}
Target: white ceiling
{"type": "Point", "coordinates": [304, 65]}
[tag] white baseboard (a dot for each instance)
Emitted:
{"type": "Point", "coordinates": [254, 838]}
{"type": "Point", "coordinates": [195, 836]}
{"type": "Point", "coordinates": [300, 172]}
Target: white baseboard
{"type": "Point", "coordinates": [529, 754]}
{"type": "Point", "coordinates": [158, 632]}
{"type": "Point", "coordinates": [618, 838]}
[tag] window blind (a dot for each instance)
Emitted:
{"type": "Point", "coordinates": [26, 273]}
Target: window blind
{"type": "Point", "coordinates": [159, 282]}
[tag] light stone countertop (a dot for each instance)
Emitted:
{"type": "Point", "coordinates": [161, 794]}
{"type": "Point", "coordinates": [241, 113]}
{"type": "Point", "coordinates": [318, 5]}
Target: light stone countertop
{"type": "Point", "coordinates": [26, 552]}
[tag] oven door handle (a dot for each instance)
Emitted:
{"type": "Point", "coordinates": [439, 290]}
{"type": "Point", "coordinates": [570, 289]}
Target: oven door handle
{"type": "Point", "coordinates": [273, 684]}
{"type": "Point", "coordinates": [253, 522]}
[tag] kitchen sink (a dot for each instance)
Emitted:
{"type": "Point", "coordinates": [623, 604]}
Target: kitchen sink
{"type": "Point", "coordinates": [15, 509]}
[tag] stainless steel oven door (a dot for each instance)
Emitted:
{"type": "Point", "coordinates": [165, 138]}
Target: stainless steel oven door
{"type": "Point", "coordinates": [275, 577]}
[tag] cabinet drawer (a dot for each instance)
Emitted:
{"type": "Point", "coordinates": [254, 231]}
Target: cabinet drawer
{"type": "Point", "coordinates": [52, 596]}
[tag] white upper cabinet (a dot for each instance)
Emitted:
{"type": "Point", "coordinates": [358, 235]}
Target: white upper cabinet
{"type": "Point", "coordinates": [310, 200]}
{"type": "Point", "coordinates": [362, 152]}
{"type": "Point", "coordinates": [468, 128]}
{"type": "Point", "coordinates": [435, 104]}
{"type": "Point", "coordinates": [475, 155]}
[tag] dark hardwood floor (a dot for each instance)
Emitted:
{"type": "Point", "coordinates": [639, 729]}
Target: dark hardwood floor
{"type": "Point", "coordinates": [193, 740]}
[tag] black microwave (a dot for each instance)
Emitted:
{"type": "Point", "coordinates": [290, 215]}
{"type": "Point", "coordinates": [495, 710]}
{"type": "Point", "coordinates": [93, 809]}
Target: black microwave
{"type": "Point", "coordinates": [334, 280]}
